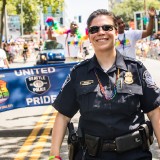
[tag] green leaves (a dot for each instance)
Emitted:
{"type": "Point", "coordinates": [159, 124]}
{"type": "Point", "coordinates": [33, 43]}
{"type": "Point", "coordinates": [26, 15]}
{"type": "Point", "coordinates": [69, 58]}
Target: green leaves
{"type": "Point", "coordinates": [127, 8]}
{"type": "Point", "coordinates": [29, 11]}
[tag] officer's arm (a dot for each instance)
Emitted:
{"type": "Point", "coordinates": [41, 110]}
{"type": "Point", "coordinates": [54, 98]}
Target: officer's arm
{"type": "Point", "coordinates": [154, 116]}
{"type": "Point", "coordinates": [150, 27]}
{"type": "Point", "coordinates": [58, 133]}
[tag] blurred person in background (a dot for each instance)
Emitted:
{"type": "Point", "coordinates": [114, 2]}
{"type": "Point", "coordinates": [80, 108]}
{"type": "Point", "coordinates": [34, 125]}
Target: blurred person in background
{"type": "Point", "coordinates": [12, 51]}
{"type": "Point", "coordinates": [25, 51]}
{"type": "Point", "coordinates": [72, 44]}
{"type": "Point", "coordinates": [126, 40]}
{"type": "Point", "coordinates": [3, 59]}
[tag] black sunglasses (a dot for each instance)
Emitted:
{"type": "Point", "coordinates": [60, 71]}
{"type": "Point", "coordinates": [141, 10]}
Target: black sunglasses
{"type": "Point", "coordinates": [95, 29]}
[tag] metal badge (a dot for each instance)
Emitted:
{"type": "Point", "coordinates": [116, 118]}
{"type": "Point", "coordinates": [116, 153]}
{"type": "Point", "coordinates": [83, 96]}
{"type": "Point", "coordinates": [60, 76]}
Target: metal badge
{"type": "Point", "coordinates": [128, 78]}
{"type": "Point", "coordinates": [87, 82]}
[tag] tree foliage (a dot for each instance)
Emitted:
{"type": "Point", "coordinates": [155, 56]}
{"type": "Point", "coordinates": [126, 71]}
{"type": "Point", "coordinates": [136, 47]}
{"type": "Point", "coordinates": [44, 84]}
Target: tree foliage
{"type": "Point", "coordinates": [28, 12]}
{"type": "Point", "coordinates": [127, 8]}
{"type": "Point", "coordinates": [54, 4]}
{"type": "Point", "coordinates": [31, 11]}
{"type": "Point", "coordinates": [2, 22]}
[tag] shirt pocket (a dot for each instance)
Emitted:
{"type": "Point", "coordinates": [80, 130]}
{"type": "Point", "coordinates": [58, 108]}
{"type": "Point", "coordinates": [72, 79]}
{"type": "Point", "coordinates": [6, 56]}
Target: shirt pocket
{"type": "Point", "coordinates": [128, 98]}
{"type": "Point", "coordinates": [86, 97]}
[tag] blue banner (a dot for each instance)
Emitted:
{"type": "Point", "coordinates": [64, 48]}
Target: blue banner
{"type": "Point", "coordinates": [31, 86]}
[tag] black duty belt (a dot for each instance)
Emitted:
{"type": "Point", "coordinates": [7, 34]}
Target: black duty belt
{"type": "Point", "coordinates": [109, 146]}
{"type": "Point", "coordinates": [143, 137]}
{"type": "Point", "coordinates": [124, 143]}
{"type": "Point", "coordinates": [120, 144]}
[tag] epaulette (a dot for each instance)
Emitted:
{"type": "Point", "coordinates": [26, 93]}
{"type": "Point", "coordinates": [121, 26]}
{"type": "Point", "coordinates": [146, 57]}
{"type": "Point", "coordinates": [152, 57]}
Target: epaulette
{"type": "Point", "coordinates": [80, 64]}
{"type": "Point", "coordinates": [133, 60]}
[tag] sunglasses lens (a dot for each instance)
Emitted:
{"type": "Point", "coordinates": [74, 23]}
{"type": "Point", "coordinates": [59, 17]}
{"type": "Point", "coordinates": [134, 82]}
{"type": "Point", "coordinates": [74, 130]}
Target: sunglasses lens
{"type": "Point", "coordinates": [93, 29]}
{"type": "Point", "coordinates": [107, 27]}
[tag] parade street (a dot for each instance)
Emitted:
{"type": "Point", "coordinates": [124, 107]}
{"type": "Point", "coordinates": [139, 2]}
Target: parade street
{"type": "Point", "coordinates": [25, 133]}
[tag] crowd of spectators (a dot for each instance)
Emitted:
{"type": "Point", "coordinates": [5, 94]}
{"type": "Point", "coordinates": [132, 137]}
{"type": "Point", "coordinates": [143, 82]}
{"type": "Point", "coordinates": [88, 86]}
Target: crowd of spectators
{"type": "Point", "coordinates": [14, 49]}
{"type": "Point", "coordinates": [148, 49]}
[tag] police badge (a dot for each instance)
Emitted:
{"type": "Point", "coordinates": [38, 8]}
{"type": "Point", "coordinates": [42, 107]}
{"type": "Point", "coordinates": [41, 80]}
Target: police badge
{"type": "Point", "coordinates": [128, 78]}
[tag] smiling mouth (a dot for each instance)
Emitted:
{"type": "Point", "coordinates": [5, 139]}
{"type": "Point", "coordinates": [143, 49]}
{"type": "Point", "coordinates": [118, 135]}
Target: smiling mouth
{"type": "Point", "coordinates": [102, 39]}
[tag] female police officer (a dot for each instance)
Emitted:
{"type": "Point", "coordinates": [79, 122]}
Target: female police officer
{"type": "Point", "coordinates": [112, 93]}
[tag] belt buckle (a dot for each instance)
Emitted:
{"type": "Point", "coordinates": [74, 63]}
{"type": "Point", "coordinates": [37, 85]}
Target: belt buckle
{"type": "Point", "coordinates": [109, 146]}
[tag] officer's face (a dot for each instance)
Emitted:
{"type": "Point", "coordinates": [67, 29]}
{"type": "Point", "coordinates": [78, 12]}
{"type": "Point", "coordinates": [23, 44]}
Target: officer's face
{"type": "Point", "coordinates": [102, 33]}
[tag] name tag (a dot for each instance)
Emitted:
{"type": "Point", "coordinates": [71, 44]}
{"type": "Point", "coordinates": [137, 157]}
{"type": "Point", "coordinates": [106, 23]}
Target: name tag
{"type": "Point", "coordinates": [85, 83]}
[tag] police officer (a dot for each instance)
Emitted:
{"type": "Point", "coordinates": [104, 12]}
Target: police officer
{"type": "Point", "coordinates": [112, 93]}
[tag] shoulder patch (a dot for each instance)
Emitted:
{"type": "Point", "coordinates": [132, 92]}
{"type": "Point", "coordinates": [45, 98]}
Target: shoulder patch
{"type": "Point", "coordinates": [67, 80]}
{"type": "Point", "coordinates": [148, 79]}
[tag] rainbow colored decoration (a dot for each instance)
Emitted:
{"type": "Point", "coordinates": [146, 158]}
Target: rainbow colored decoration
{"type": "Point", "coordinates": [74, 43]}
{"type": "Point", "coordinates": [4, 93]}
{"type": "Point", "coordinates": [57, 29]}
{"type": "Point", "coordinates": [50, 21]}
{"type": "Point", "coordinates": [123, 42]}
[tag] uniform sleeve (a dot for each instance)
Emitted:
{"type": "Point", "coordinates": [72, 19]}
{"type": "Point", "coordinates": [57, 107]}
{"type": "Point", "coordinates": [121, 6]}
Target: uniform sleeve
{"type": "Point", "coordinates": [151, 93]}
{"type": "Point", "coordinates": [66, 102]}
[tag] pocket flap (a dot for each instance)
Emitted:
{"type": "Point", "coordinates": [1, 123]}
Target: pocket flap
{"type": "Point", "coordinates": [130, 89]}
{"type": "Point", "coordinates": [87, 89]}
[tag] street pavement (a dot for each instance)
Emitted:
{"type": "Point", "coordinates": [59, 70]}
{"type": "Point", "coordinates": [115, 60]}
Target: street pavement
{"type": "Point", "coordinates": [152, 65]}
{"type": "Point", "coordinates": [19, 61]}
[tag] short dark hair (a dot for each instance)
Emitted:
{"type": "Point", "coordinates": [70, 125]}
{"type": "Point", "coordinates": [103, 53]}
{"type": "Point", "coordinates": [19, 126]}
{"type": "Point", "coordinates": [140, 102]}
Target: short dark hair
{"type": "Point", "coordinates": [101, 12]}
{"type": "Point", "coordinates": [119, 17]}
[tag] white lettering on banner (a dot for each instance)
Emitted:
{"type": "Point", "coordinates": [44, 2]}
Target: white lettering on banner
{"type": "Point", "coordinates": [7, 106]}
{"type": "Point", "coordinates": [36, 78]}
{"type": "Point", "coordinates": [39, 89]}
{"type": "Point", "coordinates": [41, 100]}
{"type": "Point", "coordinates": [34, 71]}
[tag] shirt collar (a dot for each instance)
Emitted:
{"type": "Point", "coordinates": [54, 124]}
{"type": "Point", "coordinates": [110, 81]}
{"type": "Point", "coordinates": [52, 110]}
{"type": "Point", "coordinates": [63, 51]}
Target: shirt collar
{"type": "Point", "coordinates": [119, 63]}
{"type": "Point", "coordinates": [93, 64]}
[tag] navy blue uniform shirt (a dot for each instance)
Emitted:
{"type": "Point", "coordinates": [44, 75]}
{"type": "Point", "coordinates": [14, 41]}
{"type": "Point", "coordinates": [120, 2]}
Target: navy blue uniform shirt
{"type": "Point", "coordinates": [136, 94]}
